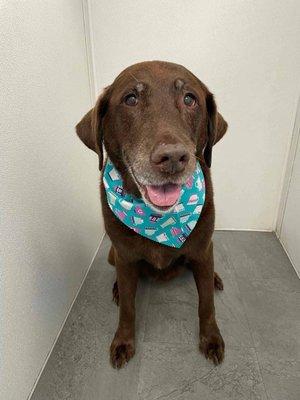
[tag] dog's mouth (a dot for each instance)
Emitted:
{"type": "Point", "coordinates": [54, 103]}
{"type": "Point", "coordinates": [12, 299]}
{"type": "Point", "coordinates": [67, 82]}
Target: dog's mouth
{"type": "Point", "coordinates": [163, 196]}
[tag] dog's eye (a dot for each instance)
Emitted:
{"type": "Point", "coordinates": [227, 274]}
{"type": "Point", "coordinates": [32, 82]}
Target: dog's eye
{"type": "Point", "coordinates": [190, 100]}
{"type": "Point", "coordinates": [131, 99]}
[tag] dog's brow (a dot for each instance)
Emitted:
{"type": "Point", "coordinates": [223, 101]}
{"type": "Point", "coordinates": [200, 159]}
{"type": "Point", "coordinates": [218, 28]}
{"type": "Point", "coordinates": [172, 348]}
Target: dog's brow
{"type": "Point", "coordinates": [133, 77]}
{"type": "Point", "coordinates": [179, 83]}
{"type": "Point", "coordinates": [140, 87]}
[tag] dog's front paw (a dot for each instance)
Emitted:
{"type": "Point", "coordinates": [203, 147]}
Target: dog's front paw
{"type": "Point", "coordinates": [121, 351]}
{"type": "Point", "coordinates": [213, 347]}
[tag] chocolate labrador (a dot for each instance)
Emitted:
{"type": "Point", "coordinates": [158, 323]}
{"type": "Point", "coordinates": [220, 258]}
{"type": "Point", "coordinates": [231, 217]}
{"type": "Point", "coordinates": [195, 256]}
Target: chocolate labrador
{"type": "Point", "coordinates": [157, 121]}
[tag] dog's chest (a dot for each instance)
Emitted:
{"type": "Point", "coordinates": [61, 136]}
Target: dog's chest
{"type": "Point", "coordinates": [161, 258]}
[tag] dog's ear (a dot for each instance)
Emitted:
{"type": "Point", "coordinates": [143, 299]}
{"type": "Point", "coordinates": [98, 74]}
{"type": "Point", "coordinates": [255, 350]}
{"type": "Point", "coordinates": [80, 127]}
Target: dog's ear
{"type": "Point", "coordinates": [221, 128]}
{"type": "Point", "coordinates": [90, 129]}
{"type": "Point", "coordinates": [216, 128]}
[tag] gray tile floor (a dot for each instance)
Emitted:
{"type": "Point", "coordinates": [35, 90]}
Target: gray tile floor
{"type": "Point", "coordinates": [258, 314]}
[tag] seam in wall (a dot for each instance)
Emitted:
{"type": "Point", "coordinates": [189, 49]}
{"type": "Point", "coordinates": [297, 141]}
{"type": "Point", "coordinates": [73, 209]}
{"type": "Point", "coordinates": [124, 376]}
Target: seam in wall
{"type": "Point", "coordinates": [89, 47]}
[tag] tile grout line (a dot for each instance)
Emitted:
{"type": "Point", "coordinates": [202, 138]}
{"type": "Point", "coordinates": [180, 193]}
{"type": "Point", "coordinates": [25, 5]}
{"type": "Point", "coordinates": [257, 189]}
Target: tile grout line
{"type": "Point", "coordinates": [248, 324]}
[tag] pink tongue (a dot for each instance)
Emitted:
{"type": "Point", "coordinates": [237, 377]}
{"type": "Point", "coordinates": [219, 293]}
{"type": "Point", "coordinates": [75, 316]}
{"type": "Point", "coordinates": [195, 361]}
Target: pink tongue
{"type": "Point", "coordinates": [165, 195]}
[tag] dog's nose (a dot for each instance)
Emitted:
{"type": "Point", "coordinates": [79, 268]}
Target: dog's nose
{"type": "Point", "coordinates": [170, 158]}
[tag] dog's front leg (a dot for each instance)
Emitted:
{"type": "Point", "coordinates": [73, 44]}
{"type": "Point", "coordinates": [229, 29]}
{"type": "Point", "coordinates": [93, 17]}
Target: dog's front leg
{"type": "Point", "coordinates": [211, 342]}
{"type": "Point", "coordinates": [123, 346]}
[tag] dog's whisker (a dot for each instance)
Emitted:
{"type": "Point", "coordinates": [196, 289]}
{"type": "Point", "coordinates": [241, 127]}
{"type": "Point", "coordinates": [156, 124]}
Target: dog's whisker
{"type": "Point", "coordinates": [193, 154]}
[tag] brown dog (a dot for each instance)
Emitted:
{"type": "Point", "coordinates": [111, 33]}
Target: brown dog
{"type": "Point", "coordinates": [155, 120]}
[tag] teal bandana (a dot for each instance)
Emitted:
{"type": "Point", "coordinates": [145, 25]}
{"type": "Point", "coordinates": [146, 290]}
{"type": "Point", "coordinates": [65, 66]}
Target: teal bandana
{"type": "Point", "coordinates": [170, 228]}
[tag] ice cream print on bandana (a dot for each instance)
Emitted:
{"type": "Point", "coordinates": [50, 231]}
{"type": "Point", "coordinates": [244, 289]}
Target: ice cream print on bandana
{"type": "Point", "coordinates": [170, 228]}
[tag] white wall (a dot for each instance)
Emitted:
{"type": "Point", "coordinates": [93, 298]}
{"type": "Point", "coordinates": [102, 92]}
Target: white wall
{"type": "Point", "coordinates": [289, 215]}
{"type": "Point", "coordinates": [247, 52]}
{"type": "Point", "coordinates": [290, 233]}
{"type": "Point", "coordinates": [50, 214]}
{"type": "Point", "coordinates": [50, 225]}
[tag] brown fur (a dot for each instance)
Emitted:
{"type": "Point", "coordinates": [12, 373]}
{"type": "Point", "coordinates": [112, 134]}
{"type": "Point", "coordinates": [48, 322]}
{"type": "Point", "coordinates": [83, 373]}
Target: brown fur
{"type": "Point", "coordinates": [129, 134]}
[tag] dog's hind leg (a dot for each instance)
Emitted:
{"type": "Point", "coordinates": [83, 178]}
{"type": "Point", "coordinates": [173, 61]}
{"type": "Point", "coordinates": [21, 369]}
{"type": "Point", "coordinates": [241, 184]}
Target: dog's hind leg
{"type": "Point", "coordinates": [115, 292]}
{"type": "Point", "coordinates": [111, 256]}
{"type": "Point", "coordinates": [218, 283]}
{"type": "Point", "coordinates": [115, 289]}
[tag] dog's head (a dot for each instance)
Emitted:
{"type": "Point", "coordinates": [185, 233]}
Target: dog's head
{"type": "Point", "coordinates": [155, 120]}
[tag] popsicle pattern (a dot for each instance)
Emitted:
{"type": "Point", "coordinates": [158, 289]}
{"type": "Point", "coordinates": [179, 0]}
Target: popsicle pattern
{"type": "Point", "coordinates": [170, 228]}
